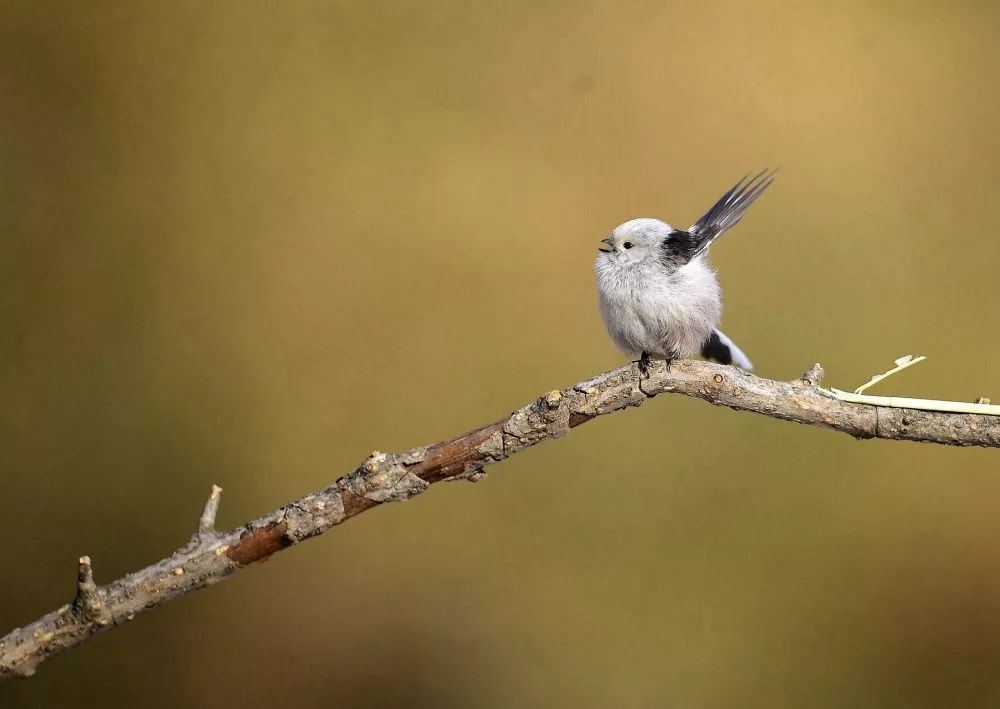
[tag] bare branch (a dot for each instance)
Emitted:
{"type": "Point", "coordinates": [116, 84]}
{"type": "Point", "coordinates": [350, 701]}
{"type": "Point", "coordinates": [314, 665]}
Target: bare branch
{"type": "Point", "coordinates": [212, 556]}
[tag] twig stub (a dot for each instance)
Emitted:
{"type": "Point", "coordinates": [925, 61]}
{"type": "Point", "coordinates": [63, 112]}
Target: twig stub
{"type": "Point", "coordinates": [206, 524]}
{"type": "Point", "coordinates": [87, 602]}
{"type": "Point", "coordinates": [814, 376]}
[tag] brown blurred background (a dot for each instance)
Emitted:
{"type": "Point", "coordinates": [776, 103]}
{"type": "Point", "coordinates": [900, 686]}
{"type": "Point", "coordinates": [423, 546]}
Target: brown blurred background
{"type": "Point", "coordinates": [246, 243]}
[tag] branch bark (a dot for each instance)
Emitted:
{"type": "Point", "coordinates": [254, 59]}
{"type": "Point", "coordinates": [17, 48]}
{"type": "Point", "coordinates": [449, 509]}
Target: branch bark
{"type": "Point", "coordinates": [211, 556]}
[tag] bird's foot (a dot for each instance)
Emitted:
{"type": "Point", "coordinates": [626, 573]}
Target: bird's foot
{"type": "Point", "coordinates": [644, 364]}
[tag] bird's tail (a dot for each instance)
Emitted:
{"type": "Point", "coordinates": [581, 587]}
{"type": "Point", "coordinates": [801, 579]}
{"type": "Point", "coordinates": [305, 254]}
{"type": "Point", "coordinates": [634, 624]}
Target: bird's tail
{"type": "Point", "coordinates": [722, 350]}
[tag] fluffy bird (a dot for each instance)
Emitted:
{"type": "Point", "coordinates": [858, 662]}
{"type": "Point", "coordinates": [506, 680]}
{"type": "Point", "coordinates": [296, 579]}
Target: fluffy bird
{"type": "Point", "coordinates": [659, 295]}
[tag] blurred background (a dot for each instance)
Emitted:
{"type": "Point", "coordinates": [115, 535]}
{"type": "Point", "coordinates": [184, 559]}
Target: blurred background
{"type": "Point", "coordinates": [246, 243]}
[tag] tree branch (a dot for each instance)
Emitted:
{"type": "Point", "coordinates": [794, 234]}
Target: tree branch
{"type": "Point", "coordinates": [211, 556]}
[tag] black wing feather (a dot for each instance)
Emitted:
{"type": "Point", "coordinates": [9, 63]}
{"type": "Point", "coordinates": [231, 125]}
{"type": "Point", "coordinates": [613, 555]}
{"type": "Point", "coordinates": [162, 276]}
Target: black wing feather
{"type": "Point", "coordinates": [727, 212]}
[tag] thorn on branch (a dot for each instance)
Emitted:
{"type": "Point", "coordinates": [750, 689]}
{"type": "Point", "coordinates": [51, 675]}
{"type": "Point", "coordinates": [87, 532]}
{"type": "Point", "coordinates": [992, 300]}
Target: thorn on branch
{"type": "Point", "coordinates": [206, 525]}
{"type": "Point", "coordinates": [87, 602]}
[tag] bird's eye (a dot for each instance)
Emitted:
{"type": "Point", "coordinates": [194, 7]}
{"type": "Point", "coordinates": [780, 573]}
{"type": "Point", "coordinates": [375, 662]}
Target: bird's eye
{"type": "Point", "coordinates": [627, 244]}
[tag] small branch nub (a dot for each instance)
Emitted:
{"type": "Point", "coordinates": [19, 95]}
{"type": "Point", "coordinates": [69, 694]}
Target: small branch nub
{"type": "Point", "coordinates": [88, 601]}
{"type": "Point", "coordinates": [206, 524]}
{"type": "Point", "coordinates": [814, 376]}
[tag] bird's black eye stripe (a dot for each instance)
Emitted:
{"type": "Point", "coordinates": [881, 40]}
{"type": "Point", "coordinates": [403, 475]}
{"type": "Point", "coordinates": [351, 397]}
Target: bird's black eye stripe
{"type": "Point", "coordinates": [627, 244]}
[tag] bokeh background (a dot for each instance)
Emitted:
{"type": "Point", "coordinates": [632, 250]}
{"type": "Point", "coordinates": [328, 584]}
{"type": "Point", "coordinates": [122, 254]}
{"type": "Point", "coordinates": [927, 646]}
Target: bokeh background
{"type": "Point", "coordinates": [246, 243]}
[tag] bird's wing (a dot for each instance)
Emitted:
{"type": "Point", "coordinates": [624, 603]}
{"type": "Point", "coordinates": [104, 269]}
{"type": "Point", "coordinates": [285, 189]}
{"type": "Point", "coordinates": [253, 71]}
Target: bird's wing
{"type": "Point", "coordinates": [728, 211]}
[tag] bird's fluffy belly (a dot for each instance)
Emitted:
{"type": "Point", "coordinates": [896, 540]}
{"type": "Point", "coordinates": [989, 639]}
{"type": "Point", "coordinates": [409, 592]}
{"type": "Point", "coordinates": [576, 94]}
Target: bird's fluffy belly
{"type": "Point", "coordinates": [669, 319]}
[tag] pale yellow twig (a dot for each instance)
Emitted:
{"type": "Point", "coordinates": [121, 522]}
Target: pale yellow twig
{"type": "Point", "coordinates": [903, 402]}
{"type": "Point", "coordinates": [901, 364]}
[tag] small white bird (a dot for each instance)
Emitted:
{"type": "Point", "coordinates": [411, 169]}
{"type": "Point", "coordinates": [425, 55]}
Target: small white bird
{"type": "Point", "coordinates": [659, 296]}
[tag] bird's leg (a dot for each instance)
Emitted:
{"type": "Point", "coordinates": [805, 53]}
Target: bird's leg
{"type": "Point", "coordinates": [644, 364]}
{"type": "Point", "coordinates": [672, 357]}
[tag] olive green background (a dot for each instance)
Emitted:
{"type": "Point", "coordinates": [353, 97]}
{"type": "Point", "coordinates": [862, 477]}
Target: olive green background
{"type": "Point", "coordinates": [246, 243]}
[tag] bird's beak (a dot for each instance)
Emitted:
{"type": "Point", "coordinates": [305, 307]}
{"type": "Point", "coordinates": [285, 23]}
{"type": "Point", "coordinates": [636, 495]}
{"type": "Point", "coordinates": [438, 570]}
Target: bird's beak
{"type": "Point", "coordinates": [608, 242]}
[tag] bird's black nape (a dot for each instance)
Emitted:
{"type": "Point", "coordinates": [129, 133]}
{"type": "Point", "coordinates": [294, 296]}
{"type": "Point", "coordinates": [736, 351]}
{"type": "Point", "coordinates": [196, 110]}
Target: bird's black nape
{"type": "Point", "coordinates": [678, 248]}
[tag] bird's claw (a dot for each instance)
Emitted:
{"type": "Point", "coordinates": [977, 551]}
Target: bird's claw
{"type": "Point", "coordinates": [644, 364]}
{"type": "Point", "coordinates": [673, 357]}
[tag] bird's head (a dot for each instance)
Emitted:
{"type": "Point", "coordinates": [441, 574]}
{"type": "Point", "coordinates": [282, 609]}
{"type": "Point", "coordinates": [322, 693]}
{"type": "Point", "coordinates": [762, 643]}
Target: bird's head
{"type": "Point", "coordinates": [635, 241]}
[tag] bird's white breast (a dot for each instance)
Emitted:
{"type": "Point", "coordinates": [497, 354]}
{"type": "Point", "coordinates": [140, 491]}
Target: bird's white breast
{"type": "Point", "coordinates": [648, 309]}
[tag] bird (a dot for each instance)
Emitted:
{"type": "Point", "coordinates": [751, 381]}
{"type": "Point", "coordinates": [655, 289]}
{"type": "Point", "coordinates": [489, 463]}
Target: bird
{"type": "Point", "coordinates": [659, 296]}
